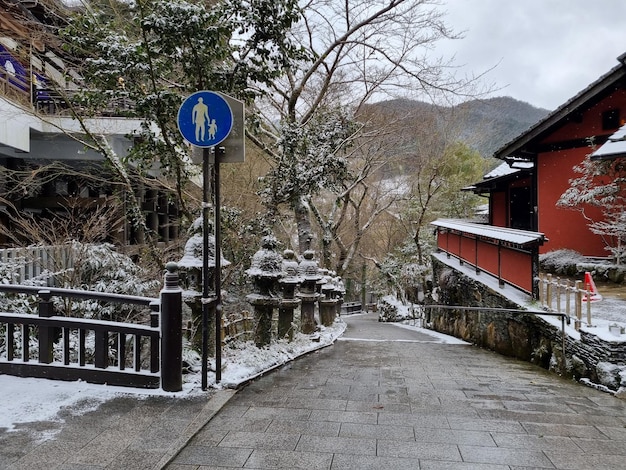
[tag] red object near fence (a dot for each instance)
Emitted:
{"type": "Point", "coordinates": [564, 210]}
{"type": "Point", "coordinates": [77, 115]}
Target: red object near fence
{"type": "Point", "coordinates": [590, 286]}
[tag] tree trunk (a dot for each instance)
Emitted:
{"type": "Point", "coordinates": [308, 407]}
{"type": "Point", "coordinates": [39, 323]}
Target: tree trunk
{"type": "Point", "coordinates": [303, 219]}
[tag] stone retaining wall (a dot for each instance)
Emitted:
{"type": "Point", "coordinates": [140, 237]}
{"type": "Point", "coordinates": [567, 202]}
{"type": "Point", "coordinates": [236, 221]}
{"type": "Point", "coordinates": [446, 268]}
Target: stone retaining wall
{"type": "Point", "coordinates": [524, 336]}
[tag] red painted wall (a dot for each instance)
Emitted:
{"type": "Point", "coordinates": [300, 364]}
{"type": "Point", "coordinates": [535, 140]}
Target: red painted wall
{"type": "Point", "coordinates": [514, 266]}
{"type": "Point", "coordinates": [498, 209]}
{"type": "Point", "coordinates": [566, 228]}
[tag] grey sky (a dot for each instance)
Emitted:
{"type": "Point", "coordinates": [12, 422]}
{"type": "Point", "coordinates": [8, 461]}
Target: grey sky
{"type": "Point", "coordinates": [544, 51]}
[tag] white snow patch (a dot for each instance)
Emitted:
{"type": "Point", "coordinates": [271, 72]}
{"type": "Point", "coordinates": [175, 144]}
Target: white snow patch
{"type": "Point", "coordinates": [439, 337]}
{"type": "Point", "coordinates": [28, 400]}
{"type": "Point", "coordinates": [501, 170]}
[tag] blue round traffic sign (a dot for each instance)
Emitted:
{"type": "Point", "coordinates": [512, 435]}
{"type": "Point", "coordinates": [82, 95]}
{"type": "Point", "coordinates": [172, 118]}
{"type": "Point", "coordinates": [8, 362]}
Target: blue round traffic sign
{"type": "Point", "coordinates": [205, 119]}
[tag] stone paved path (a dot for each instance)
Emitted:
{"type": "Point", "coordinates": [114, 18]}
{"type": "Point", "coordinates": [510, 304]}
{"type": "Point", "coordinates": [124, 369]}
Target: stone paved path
{"type": "Point", "coordinates": [390, 398]}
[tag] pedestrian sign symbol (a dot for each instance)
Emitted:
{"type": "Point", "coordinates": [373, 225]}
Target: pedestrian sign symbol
{"type": "Point", "coordinates": [205, 119]}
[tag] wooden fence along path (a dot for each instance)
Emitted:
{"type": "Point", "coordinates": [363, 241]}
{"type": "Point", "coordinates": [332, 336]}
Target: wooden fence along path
{"type": "Point", "coordinates": [36, 261]}
{"type": "Point", "coordinates": [115, 353]}
{"type": "Point", "coordinates": [565, 296]}
{"type": "Point", "coordinates": [237, 327]}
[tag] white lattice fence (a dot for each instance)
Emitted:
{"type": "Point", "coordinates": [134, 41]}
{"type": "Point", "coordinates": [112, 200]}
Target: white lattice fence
{"type": "Point", "coordinates": [36, 262]}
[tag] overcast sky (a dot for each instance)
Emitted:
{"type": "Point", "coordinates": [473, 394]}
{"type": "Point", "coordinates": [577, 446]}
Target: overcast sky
{"type": "Point", "coordinates": [545, 51]}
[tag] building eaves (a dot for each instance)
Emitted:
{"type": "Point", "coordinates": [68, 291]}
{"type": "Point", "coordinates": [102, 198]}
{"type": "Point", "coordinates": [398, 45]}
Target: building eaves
{"type": "Point", "coordinates": [518, 147]}
{"type": "Point", "coordinates": [615, 147]}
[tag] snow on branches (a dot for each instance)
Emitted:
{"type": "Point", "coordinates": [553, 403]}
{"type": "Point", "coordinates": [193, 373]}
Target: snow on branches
{"type": "Point", "coordinates": [602, 183]}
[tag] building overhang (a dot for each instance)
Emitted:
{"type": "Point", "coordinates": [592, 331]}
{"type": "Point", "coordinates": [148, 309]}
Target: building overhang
{"type": "Point", "coordinates": [511, 237]}
{"type": "Point", "coordinates": [614, 147]}
{"type": "Point", "coordinates": [501, 176]}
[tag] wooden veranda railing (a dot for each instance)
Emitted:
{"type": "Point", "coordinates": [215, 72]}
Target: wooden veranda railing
{"type": "Point", "coordinates": [116, 357]}
{"type": "Point", "coordinates": [510, 255]}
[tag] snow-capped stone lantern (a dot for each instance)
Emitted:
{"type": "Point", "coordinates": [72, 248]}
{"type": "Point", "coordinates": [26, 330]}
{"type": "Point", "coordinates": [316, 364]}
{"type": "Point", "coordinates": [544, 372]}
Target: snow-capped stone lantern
{"type": "Point", "coordinates": [288, 303]}
{"type": "Point", "coordinates": [190, 269]}
{"type": "Point", "coordinates": [265, 271]}
{"type": "Point", "coordinates": [340, 292]}
{"type": "Point", "coordinates": [190, 265]}
{"type": "Point", "coordinates": [327, 301]}
{"type": "Point", "coordinates": [322, 280]}
{"type": "Point", "coordinates": [309, 275]}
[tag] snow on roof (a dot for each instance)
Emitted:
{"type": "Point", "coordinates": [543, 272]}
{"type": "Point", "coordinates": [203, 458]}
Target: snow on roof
{"type": "Point", "coordinates": [614, 147]}
{"type": "Point", "coordinates": [510, 235]}
{"type": "Point", "coordinates": [501, 170]}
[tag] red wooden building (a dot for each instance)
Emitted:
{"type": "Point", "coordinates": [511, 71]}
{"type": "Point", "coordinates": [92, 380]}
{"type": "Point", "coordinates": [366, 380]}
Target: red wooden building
{"type": "Point", "coordinates": [538, 165]}
{"type": "Point", "coordinates": [541, 162]}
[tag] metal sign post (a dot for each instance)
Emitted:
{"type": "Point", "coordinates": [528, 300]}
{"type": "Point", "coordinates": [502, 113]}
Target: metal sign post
{"type": "Point", "coordinates": [205, 119]}
{"type": "Point", "coordinates": [206, 208]}
{"type": "Point", "coordinates": [218, 266]}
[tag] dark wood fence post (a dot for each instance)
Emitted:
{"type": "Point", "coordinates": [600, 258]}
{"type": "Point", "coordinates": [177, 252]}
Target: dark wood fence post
{"type": "Point", "coordinates": [155, 344]}
{"type": "Point", "coordinates": [46, 333]}
{"type": "Point", "coordinates": [171, 332]}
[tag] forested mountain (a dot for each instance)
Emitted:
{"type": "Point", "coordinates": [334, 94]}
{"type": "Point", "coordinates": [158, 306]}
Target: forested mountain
{"type": "Point", "coordinates": [484, 125]}
{"type": "Point", "coordinates": [496, 121]}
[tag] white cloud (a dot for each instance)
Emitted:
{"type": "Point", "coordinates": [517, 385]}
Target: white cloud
{"type": "Point", "coordinates": [544, 51]}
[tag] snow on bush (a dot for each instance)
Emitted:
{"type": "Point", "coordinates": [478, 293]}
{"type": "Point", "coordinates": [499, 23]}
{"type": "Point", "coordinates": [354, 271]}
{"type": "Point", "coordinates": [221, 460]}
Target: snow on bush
{"type": "Point", "coordinates": [392, 310]}
{"type": "Point", "coordinates": [561, 261]}
{"type": "Point", "coordinates": [96, 268]}
{"type": "Point", "coordinates": [573, 264]}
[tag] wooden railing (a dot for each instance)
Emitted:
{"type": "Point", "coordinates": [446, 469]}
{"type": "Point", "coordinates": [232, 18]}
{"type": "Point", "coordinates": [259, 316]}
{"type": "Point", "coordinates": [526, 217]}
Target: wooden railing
{"type": "Point", "coordinates": [237, 328]}
{"type": "Point", "coordinates": [565, 296]}
{"type": "Point", "coordinates": [118, 348]}
{"type": "Point", "coordinates": [15, 87]}
{"type": "Point", "coordinates": [510, 255]}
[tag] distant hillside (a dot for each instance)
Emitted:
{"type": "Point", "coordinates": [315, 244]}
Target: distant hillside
{"type": "Point", "coordinates": [491, 123]}
{"type": "Point", "coordinates": [484, 125]}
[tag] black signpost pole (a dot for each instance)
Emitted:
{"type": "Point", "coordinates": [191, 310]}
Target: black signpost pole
{"type": "Point", "coordinates": [206, 153]}
{"type": "Point", "coordinates": [219, 152]}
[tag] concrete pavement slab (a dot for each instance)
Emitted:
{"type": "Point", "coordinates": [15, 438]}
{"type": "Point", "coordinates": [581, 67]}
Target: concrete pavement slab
{"type": "Point", "coordinates": [123, 433]}
{"type": "Point", "coordinates": [387, 397]}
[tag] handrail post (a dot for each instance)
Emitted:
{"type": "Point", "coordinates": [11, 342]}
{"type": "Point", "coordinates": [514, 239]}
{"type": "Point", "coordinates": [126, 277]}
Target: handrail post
{"type": "Point", "coordinates": [549, 292]}
{"type": "Point", "coordinates": [46, 333]}
{"type": "Point", "coordinates": [155, 356]}
{"type": "Point", "coordinates": [171, 332]}
{"type": "Point", "coordinates": [578, 300]}
{"type": "Point", "coordinates": [564, 363]}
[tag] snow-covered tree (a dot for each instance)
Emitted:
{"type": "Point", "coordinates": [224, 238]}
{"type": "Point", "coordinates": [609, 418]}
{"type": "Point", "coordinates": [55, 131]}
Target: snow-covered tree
{"type": "Point", "coordinates": [360, 50]}
{"type": "Point", "coordinates": [141, 59]}
{"type": "Point", "coordinates": [602, 183]}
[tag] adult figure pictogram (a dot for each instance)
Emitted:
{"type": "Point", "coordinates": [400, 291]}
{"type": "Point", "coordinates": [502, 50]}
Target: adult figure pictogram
{"type": "Point", "coordinates": [200, 116]}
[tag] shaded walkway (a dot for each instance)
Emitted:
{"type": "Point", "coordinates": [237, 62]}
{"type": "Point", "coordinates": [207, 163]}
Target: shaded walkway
{"type": "Point", "coordinates": [391, 398]}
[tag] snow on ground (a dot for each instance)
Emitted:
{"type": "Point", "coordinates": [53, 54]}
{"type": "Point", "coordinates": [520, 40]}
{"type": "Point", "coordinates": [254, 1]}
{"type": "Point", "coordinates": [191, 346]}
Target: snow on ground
{"type": "Point", "coordinates": [42, 399]}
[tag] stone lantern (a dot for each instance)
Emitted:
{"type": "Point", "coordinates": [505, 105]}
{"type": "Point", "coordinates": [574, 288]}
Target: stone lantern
{"type": "Point", "coordinates": [190, 269]}
{"type": "Point", "coordinates": [340, 292]}
{"type": "Point", "coordinates": [265, 271]}
{"type": "Point", "coordinates": [309, 275]}
{"type": "Point", "coordinates": [288, 302]}
{"type": "Point", "coordinates": [327, 301]}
